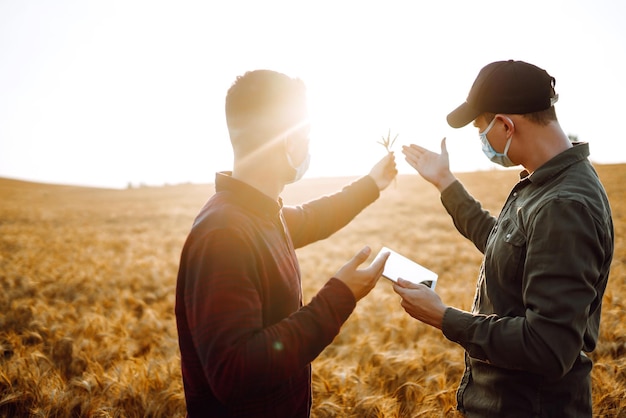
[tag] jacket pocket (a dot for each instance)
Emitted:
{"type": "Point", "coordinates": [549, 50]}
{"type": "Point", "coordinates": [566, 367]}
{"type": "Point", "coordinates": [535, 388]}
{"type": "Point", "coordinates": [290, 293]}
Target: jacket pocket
{"type": "Point", "coordinates": [504, 268]}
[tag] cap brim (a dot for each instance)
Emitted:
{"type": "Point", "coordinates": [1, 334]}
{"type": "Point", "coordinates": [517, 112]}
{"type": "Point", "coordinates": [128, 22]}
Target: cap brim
{"type": "Point", "coordinates": [462, 115]}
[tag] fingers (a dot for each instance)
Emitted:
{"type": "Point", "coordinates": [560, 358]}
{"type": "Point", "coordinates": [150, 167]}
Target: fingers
{"type": "Point", "coordinates": [361, 256]}
{"type": "Point", "coordinates": [444, 148]}
{"type": "Point", "coordinates": [403, 292]}
{"type": "Point", "coordinates": [405, 287]}
{"type": "Point", "coordinates": [411, 155]}
{"type": "Point", "coordinates": [390, 167]}
{"type": "Point", "coordinates": [389, 161]}
{"type": "Point", "coordinates": [407, 284]}
{"type": "Point", "coordinates": [413, 148]}
{"type": "Point", "coordinates": [398, 289]}
{"type": "Point", "coordinates": [384, 165]}
{"type": "Point", "coordinates": [413, 152]}
{"type": "Point", "coordinates": [378, 264]}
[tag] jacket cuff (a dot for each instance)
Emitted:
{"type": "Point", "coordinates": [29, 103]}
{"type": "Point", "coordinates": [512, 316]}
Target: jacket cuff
{"type": "Point", "coordinates": [345, 302]}
{"type": "Point", "coordinates": [368, 187]}
{"type": "Point", "coordinates": [456, 325]}
{"type": "Point", "coordinates": [452, 192]}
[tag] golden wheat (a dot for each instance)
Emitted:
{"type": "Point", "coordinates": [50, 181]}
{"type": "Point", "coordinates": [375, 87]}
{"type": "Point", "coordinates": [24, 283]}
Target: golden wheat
{"type": "Point", "coordinates": [88, 278]}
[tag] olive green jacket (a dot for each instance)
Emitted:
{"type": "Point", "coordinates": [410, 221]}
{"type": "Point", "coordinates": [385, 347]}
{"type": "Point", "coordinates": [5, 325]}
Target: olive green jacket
{"type": "Point", "coordinates": [539, 292]}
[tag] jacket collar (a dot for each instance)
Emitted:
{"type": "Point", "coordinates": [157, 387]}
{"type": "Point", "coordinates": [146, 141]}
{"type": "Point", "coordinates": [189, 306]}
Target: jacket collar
{"type": "Point", "coordinates": [579, 152]}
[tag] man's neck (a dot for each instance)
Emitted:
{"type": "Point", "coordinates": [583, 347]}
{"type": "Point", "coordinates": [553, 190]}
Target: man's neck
{"type": "Point", "coordinates": [265, 182]}
{"type": "Point", "coordinates": [548, 142]}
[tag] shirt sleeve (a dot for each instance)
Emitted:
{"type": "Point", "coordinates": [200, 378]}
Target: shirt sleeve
{"type": "Point", "coordinates": [562, 267]}
{"type": "Point", "coordinates": [470, 219]}
{"type": "Point", "coordinates": [320, 218]}
{"type": "Point", "coordinates": [239, 355]}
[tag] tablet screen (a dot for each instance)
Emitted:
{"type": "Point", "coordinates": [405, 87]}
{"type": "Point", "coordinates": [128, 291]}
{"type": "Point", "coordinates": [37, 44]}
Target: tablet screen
{"type": "Point", "coordinates": [399, 266]}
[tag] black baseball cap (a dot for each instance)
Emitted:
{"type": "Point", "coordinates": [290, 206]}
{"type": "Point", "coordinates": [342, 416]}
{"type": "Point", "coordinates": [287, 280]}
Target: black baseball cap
{"type": "Point", "coordinates": [513, 87]}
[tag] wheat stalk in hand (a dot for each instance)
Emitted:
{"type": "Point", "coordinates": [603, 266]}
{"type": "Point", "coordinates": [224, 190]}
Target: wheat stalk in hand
{"type": "Point", "coordinates": [387, 142]}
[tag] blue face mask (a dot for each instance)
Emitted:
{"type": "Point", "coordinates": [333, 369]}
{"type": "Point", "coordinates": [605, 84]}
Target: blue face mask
{"type": "Point", "coordinates": [492, 154]}
{"type": "Point", "coordinates": [301, 169]}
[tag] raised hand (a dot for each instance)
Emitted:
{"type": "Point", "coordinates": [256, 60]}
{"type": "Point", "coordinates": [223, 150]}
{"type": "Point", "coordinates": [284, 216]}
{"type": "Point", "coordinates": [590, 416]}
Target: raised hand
{"type": "Point", "coordinates": [384, 171]}
{"type": "Point", "coordinates": [435, 168]}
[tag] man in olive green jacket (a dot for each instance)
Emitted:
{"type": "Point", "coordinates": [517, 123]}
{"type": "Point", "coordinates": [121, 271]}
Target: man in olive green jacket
{"type": "Point", "coordinates": [546, 256]}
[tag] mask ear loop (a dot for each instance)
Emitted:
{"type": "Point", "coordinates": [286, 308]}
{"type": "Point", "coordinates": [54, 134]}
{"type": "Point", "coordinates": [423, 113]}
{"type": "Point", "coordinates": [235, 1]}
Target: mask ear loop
{"type": "Point", "coordinates": [508, 142]}
{"type": "Point", "coordinates": [488, 128]}
{"type": "Point", "coordinates": [290, 142]}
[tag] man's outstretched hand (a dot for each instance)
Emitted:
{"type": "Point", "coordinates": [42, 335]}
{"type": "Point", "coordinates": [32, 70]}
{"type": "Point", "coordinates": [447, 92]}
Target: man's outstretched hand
{"type": "Point", "coordinates": [361, 282]}
{"type": "Point", "coordinates": [435, 168]}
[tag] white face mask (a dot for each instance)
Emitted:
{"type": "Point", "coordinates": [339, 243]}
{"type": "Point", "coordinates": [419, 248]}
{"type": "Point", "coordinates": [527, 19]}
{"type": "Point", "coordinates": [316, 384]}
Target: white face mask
{"type": "Point", "coordinates": [301, 169]}
{"type": "Point", "coordinates": [492, 154]}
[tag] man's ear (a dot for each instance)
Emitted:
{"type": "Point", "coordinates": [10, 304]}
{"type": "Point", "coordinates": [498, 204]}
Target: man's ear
{"type": "Point", "coordinates": [509, 126]}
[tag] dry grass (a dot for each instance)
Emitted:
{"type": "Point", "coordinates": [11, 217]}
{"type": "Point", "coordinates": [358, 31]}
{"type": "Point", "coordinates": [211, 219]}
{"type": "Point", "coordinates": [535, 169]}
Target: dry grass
{"type": "Point", "coordinates": [86, 308]}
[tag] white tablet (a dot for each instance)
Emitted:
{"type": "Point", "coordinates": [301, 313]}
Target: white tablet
{"type": "Point", "coordinates": [398, 266]}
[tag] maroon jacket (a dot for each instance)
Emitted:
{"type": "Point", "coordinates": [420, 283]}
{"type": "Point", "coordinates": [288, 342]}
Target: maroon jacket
{"type": "Point", "coordinates": [246, 340]}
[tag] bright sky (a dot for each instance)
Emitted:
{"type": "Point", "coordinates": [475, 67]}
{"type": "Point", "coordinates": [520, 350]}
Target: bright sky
{"type": "Point", "coordinates": [107, 93]}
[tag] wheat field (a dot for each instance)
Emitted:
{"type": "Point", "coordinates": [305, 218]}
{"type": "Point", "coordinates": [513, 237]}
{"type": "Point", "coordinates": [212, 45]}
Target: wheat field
{"type": "Point", "coordinates": [88, 276]}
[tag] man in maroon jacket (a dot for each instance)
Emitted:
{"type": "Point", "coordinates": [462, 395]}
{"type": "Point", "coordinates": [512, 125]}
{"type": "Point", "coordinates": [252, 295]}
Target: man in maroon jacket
{"type": "Point", "coordinates": [246, 340]}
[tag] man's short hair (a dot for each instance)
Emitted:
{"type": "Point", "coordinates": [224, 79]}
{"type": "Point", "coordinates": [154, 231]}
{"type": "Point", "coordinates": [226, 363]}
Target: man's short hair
{"type": "Point", "coordinates": [263, 106]}
{"type": "Point", "coordinates": [542, 117]}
